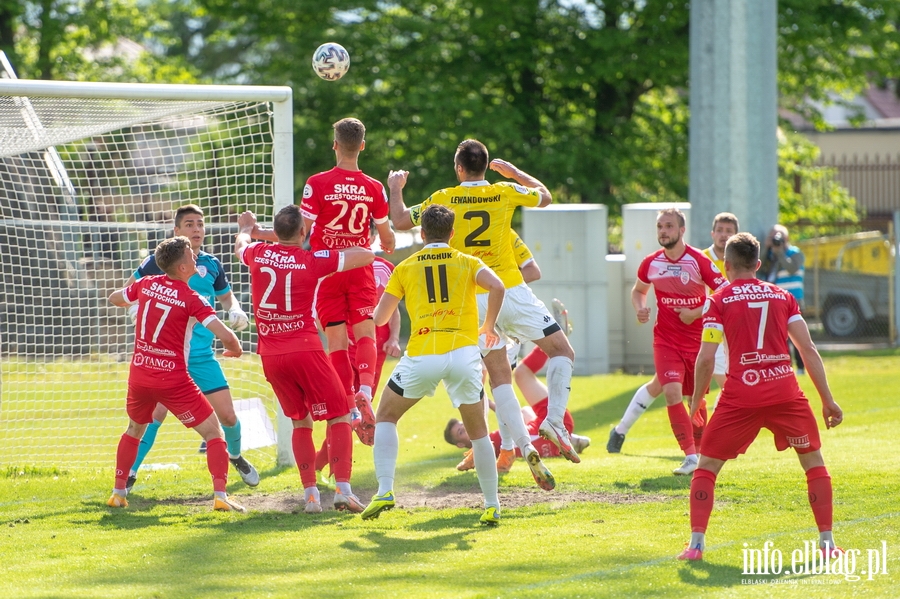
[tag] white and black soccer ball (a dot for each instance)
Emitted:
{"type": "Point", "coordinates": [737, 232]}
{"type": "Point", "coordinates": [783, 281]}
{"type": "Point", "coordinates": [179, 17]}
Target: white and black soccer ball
{"type": "Point", "coordinates": [331, 61]}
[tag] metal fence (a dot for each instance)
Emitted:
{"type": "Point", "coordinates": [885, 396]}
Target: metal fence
{"type": "Point", "coordinates": [873, 180]}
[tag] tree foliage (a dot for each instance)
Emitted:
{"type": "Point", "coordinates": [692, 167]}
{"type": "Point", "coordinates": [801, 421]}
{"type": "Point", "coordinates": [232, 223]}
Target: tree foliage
{"type": "Point", "coordinates": [587, 95]}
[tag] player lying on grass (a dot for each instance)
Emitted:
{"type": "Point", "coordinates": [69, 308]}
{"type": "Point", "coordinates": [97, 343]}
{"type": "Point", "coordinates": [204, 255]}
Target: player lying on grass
{"type": "Point", "coordinates": [439, 284]}
{"type": "Point", "coordinates": [167, 311]}
{"type": "Point", "coordinates": [284, 278]}
{"type": "Point", "coordinates": [210, 282]}
{"type": "Point", "coordinates": [761, 391]}
{"type": "Point", "coordinates": [535, 393]}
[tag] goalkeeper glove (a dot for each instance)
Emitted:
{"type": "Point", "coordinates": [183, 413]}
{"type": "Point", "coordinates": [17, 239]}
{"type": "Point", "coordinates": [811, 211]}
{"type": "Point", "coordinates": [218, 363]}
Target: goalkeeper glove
{"type": "Point", "coordinates": [237, 319]}
{"type": "Point", "coordinates": [132, 311]}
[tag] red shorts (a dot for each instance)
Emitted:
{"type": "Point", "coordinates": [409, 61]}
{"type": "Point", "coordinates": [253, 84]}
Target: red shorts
{"type": "Point", "coordinates": [306, 383]}
{"type": "Point", "coordinates": [731, 429]}
{"type": "Point", "coordinates": [675, 366]}
{"type": "Point", "coordinates": [347, 297]}
{"type": "Point", "coordinates": [182, 397]}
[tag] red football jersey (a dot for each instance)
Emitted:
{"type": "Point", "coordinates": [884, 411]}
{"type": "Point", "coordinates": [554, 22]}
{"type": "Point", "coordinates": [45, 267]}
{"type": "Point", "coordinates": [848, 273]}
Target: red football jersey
{"type": "Point", "coordinates": [283, 282]}
{"type": "Point", "coordinates": [167, 312]}
{"type": "Point", "coordinates": [754, 316]}
{"type": "Point", "coordinates": [679, 283]}
{"type": "Point", "coordinates": [382, 269]}
{"type": "Point", "coordinates": [341, 203]}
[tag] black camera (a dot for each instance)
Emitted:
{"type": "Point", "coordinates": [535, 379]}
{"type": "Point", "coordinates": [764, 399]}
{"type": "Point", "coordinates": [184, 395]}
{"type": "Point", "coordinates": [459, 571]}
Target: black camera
{"type": "Point", "coordinates": [778, 239]}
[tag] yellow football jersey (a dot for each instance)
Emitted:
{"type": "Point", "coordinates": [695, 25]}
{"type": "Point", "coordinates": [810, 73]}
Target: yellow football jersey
{"type": "Point", "coordinates": [720, 264]}
{"type": "Point", "coordinates": [439, 285]}
{"type": "Point", "coordinates": [520, 250]}
{"type": "Point", "coordinates": [483, 215]}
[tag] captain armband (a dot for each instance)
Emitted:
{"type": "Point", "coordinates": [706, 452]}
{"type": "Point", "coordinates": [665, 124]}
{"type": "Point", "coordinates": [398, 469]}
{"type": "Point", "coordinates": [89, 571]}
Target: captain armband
{"type": "Point", "coordinates": [712, 335]}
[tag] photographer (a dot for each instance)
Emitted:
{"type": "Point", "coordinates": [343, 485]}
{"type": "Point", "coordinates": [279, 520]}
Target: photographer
{"type": "Point", "coordinates": [782, 264]}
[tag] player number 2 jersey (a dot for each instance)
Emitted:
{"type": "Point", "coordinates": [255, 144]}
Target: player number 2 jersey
{"type": "Point", "coordinates": [438, 283]}
{"type": "Point", "coordinates": [341, 204]}
{"type": "Point", "coordinates": [753, 316]}
{"type": "Point", "coordinates": [167, 312]}
{"type": "Point", "coordinates": [283, 281]}
{"type": "Point", "coordinates": [483, 215]}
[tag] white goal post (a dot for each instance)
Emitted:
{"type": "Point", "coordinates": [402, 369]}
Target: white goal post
{"type": "Point", "coordinates": [90, 175]}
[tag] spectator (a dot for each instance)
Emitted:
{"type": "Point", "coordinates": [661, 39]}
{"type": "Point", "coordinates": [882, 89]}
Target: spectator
{"type": "Point", "coordinates": [782, 264]}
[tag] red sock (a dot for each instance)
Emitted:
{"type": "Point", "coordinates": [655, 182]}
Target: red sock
{"type": "Point", "coordinates": [698, 430]}
{"type": "Point", "coordinates": [535, 359]}
{"type": "Point", "coordinates": [340, 359]}
{"type": "Point", "coordinates": [322, 454]}
{"type": "Point", "coordinates": [217, 462]}
{"type": "Point", "coordinates": [366, 360]}
{"type": "Point", "coordinates": [703, 489]}
{"type": "Point", "coordinates": [681, 426]}
{"type": "Point", "coordinates": [305, 455]}
{"type": "Point", "coordinates": [340, 451]}
{"type": "Point", "coordinates": [125, 455]}
{"type": "Point", "coordinates": [818, 484]}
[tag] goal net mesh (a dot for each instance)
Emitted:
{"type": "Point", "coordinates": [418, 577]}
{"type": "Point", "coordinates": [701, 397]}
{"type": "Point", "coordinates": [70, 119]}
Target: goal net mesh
{"type": "Point", "coordinates": [88, 187]}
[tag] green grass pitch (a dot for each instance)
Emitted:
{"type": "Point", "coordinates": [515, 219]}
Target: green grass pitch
{"type": "Point", "coordinates": [611, 529]}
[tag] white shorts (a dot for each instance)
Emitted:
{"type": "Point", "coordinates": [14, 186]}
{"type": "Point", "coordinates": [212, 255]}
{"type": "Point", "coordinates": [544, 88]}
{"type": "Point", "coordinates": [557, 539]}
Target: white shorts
{"type": "Point", "coordinates": [721, 360]}
{"type": "Point", "coordinates": [523, 317]}
{"type": "Point", "coordinates": [460, 369]}
{"type": "Point", "coordinates": [512, 352]}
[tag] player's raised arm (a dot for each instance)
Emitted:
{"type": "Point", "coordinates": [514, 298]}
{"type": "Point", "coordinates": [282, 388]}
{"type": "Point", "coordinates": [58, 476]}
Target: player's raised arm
{"type": "Point", "coordinates": [232, 344]}
{"type": "Point", "coordinates": [237, 318]}
{"type": "Point", "coordinates": [246, 226]}
{"type": "Point", "coordinates": [356, 257]}
{"type": "Point", "coordinates": [386, 307]}
{"type": "Point", "coordinates": [511, 171]}
{"type": "Point", "coordinates": [117, 298]}
{"type": "Point", "coordinates": [496, 291]}
{"type": "Point", "coordinates": [815, 368]}
{"type": "Point", "coordinates": [252, 229]}
{"type": "Point", "coordinates": [399, 212]}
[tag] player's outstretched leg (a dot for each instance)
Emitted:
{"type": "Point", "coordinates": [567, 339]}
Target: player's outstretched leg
{"type": "Point", "coordinates": [703, 486]}
{"type": "Point", "coordinates": [486, 470]}
{"type": "Point", "coordinates": [217, 463]}
{"type": "Point", "coordinates": [125, 454]}
{"type": "Point", "coordinates": [385, 451]}
{"type": "Point", "coordinates": [641, 401]}
{"type": "Point", "coordinates": [340, 451]}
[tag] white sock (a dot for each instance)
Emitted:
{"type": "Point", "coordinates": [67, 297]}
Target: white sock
{"type": "Point", "coordinates": [385, 451]}
{"type": "Point", "coordinates": [221, 494]}
{"type": "Point", "coordinates": [559, 383]}
{"type": "Point", "coordinates": [698, 541]}
{"type": "Point", "coordinates": [486, 469]}
{"type": "Point", "coordinates": [509, 413]}
{"type": "Point", "coordinates": [826, 537]}
{"type": "Point", "coordinates": [367, 390]}
{"type": "Point", "coordinates": [641, 401]}
{"type": "Point", "coordinates": [691, 456]}
{"type": "Point", "coordinates": [343, 488]}
{"type": "Point", "coordinates": [120, 492]}
{"type": "Point", "coordinates": [312, 493]}
{"type": "Point", "coordinates": [506, 439]}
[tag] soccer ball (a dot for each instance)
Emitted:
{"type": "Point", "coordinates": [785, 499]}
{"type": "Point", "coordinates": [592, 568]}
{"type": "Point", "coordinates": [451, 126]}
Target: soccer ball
{"type": "Point", "coordinates": [331, 61]}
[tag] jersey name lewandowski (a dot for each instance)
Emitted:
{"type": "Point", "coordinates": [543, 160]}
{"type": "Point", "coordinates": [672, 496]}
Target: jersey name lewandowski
{"type": "Point", "coordinates": [753, 316]}
{"type": "Point", "coordinates": [341, 203]}
{"type": "Point", "coordinates": [283, 281]}
{"type": "Point", "coordinates": [679, 283]}
{"type": "Point", "coordinates": [167, 312]}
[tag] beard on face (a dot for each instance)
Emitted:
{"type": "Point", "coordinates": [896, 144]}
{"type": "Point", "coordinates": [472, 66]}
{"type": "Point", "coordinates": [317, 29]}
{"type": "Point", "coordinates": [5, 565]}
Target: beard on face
{"type": "Point", "coordinates": [671, 243]}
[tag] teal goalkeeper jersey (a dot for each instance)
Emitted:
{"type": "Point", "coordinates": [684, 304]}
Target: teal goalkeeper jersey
{"type": "Point", "coordinates": [210, 282]}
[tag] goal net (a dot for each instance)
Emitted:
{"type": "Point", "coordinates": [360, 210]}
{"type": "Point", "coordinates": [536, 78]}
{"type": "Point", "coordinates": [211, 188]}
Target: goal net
{"type": "Point", "coordinates": [90, 176]}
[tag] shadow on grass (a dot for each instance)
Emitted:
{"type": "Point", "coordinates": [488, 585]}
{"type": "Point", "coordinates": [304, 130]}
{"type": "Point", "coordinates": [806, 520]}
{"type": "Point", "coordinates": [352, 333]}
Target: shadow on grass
{"type": "Point", "coordinates": [705, 574]}
{"type": "Point", "coordinates": [395, 545]}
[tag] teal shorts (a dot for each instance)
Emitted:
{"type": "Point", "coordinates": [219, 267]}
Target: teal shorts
{"type": "Point", "coordinates": [207, 372]}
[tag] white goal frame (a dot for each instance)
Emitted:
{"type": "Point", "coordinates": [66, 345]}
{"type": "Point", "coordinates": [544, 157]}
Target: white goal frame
{"type": "Point", "coordinates": [281, 99]}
